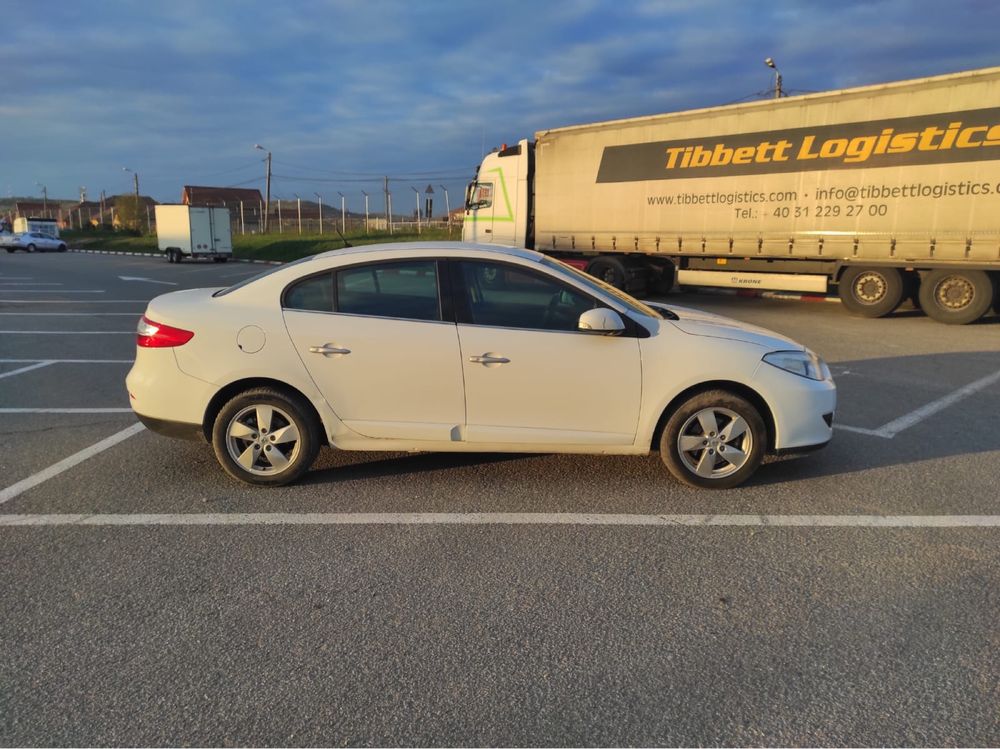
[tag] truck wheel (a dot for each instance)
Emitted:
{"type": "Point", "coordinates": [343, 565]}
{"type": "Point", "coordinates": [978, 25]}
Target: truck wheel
{"type": "Point", "coordinates": [714, 440]}
{"type": "Point", "coordinates": [611, 270]}
{"type": "Point", "coordinates": [663, 275]}
{"type": "Point", "coordinates": [871, 292]}
{"type": "Point", "coordinates": [956, 297]}
{"type": "Point", "coordinates": [265, 437]}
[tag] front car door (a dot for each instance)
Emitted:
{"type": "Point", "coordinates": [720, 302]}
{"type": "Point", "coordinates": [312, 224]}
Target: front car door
{"type": "Point", "coordinates": [531, 377]}
{"type": "Point", "coordinates": [375, 342]}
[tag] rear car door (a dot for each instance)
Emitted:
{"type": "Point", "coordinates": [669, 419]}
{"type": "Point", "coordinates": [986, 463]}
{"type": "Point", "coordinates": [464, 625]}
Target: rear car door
{"type": "Point", "coordinates": [376, 341]}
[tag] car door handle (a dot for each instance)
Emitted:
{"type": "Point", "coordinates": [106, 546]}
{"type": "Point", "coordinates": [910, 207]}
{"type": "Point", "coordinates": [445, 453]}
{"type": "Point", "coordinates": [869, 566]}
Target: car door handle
{"type": "Point", "coordinates": [489, 359]}
{"type": "Point", "coordinates": [326, 350]}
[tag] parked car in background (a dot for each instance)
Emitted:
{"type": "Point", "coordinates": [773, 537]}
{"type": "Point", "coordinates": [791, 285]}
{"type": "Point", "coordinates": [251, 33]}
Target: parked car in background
{"type": "Point", "coordinates": [467, 348]}
{"type": "Point", "coordinates": [32, 241]}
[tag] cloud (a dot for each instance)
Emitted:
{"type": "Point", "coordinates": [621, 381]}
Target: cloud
{"type": "Point", "coordinates": [184, 89]}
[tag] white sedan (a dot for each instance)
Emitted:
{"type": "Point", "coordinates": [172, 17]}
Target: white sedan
{"type": "Point", "coordinates": [31, 241]}
{"type": "Point", "coordinates": [467, 348]}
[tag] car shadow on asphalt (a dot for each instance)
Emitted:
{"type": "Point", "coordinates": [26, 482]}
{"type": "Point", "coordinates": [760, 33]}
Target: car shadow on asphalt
{"type": "Point", "coordinates": [872, 393]}
{"type": "Point", "coordinates": [351, 466]}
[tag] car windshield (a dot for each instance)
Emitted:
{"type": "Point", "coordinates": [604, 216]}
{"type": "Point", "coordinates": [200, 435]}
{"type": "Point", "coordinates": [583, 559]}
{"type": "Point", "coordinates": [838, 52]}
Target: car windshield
{"type": "Point", "coordinates": [620, 296]}
{"type": "Point", "coordinates": [262, 274]}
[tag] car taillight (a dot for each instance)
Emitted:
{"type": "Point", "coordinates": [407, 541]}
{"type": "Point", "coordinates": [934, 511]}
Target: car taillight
{"type": "Point", "coordinates": [152, 334]}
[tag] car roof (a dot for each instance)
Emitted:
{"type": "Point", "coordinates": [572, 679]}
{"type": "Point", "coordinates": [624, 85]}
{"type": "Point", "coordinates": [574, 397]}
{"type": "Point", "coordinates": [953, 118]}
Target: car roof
{"type": "Point", "coordinates": [448, 247]}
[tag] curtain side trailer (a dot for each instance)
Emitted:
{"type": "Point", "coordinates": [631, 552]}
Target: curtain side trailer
{"type": "Point", "coordinates": [881, 193]}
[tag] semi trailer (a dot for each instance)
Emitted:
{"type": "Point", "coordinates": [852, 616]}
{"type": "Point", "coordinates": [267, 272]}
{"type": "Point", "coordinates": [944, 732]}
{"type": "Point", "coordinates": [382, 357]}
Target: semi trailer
{"type": "Point", "coordinates": [880, 193]}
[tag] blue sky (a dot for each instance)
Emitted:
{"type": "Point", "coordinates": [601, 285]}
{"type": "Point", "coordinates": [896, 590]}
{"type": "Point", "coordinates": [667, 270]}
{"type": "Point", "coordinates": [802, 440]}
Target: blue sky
{"type": "Point", "coordinates": [342, 92]}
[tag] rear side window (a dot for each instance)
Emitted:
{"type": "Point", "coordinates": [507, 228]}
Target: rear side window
{"type": "Point", "coordinates": [407, 290]}
{"type": "Point", "coordinates": [314, 294]}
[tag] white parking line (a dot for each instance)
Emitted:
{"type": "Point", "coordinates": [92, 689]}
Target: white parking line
{"type": "Point", "coordinates": [67, 361]}
{"type": "Point", "coordinates": [65, 410]}
{"type": "Point", "coordinates": [894, 427]}
{"type": "Point", "coordinates": [504, 518]}
{"type": "Point", "coordinates": [70, 314]}
{"type": "Point", "coordinates": [75, 301]}
{"type": "Point", "coordinates": [67, 332]}
{"type": "Point", "coordinates": [31, 283]}
{"type": "Point", "coordinates": [22, 370]}
{"type": "Point", "coordinates": [64, 465]}
{"type": "Point", "coordinates": [49, 291]}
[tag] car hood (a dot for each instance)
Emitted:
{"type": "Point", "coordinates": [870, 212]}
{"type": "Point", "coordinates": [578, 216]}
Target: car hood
{"type": "Point", "coordinates": [699, 323]}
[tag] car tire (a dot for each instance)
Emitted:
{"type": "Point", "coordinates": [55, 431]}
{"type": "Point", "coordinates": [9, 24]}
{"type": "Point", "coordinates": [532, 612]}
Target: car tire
{"type": "Point", "coordinates": [265, 437]}
{"type": "Point", "coordinates": [30, 248]}
{"type": "Point", "coordinates": [871, 292]}
{"type": "Point", "coordinates": [61, 248]}
{"type": "Point", "coordinates": [10, 250]}
{"type": "Point", "coordinates": [714, 440]}
{"type": "Point", "coordinates": [956, 297]}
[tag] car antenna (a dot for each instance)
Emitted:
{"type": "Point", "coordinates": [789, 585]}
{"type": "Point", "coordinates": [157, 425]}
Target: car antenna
{"type": "Point", "coordinates": [343, 239]}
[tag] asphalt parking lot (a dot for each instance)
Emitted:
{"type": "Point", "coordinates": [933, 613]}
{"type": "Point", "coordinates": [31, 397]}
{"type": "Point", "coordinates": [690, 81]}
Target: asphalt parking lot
{"type": "Point", "coordinates": [850, 597]}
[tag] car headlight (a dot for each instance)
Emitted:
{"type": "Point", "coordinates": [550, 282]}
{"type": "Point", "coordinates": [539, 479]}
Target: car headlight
{"type": "Point", "coordinates": [801, 363]}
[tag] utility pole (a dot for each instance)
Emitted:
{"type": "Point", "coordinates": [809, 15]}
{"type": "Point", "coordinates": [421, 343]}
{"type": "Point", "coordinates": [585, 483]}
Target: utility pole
{"type": "Point", "coordinates": [388, 207]}
{"type": "Point", "coordinates": [298, 202]}
{"type": "Point", "coordinates": [778, 93]}
{"type": "Point", "coordinates": [45, 198]}
{"type": "Point", "coordinates": [320, 211]}
{"type": "Point", "coordinates": [135, 178]}
{"type": "Point", "coordinates": [343, 213]}
{"type": "Point", "coordinates": [267, 184]}
{"type": "Point", "coordinates": [103, 198]}
{"type": "Point", "coordinates": [417, 192]}
{"type": "Point", "coordinates": [447, 207]}
{"type": "Point", "coordinates": [366, 211]}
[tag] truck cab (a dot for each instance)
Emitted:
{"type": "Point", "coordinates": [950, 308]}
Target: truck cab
{"type": "Point", "coordinates": [498, 201]}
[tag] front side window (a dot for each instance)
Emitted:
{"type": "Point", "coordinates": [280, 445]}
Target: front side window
{"type": "Point", "coordinates": [481, 195]}
{"type": "Point", "coordinates": [406, 290]}
{"type": "Point", "coordinates": [509, 296]}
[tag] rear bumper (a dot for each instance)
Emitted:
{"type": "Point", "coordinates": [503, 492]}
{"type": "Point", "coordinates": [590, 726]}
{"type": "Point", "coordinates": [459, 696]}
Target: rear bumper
{"type": "Point", "coordinates": [176, 429]}
{"type": "Point", "coordinates": [164, 398]}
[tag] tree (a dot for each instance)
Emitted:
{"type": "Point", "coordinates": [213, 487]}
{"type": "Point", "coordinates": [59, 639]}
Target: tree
{"type": "Point", "coordinates": [128, 209]}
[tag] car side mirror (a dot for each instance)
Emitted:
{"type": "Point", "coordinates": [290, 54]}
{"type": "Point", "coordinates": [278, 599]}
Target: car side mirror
{"type": "Point", "coordinates": [602, 321]}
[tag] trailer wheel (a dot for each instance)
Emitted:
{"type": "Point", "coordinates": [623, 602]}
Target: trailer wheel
{"type": "Point", "coordinates": [871, 292]}
{"type": "Point", "coordinates": [663, 276]}
{"type": "Point", "coordinates": [611, 270]}
{"type": "Point", "coordinates": [956, 297]}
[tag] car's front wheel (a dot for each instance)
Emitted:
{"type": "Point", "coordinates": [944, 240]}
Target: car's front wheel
{"type": "Point", "coordinates": [266, 437]}
{"type": "Point", "coordinates": [30, 248]}
{"type": "Point", "coordinates": [714, 440]}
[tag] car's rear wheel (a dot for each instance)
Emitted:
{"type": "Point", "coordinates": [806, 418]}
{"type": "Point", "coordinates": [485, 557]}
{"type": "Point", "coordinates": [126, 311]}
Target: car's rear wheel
{"type": "Point", "coordinates": [62, 248]}
{"type": "Point", "coordinates": [265, 437]}
{"type": "Point", "coordinates": [714, 440]}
